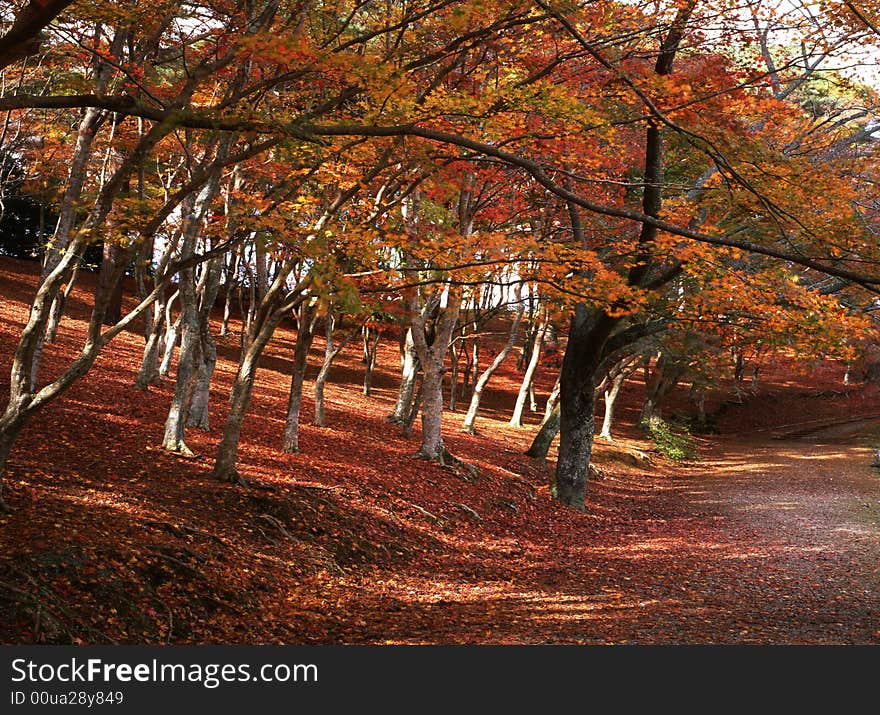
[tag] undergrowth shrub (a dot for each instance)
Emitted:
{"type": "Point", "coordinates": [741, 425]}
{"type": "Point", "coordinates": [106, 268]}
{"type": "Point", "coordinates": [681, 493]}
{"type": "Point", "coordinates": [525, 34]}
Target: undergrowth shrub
{"type": "Point", "coordinates": [674, 441]}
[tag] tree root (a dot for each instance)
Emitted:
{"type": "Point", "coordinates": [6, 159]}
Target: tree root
{"type": "Point", "coordinates": [449, 461]}
{"type": "Point", "coordinates": [424, 512]}
{"type": "Point", "coordinates": [46, 603]}
{"type": "Point", "coordinates": [278, 525]}
{"type": "Point", "coordinates": [179, 530]}
{"type": "Point", "coordinates": [180, 564]}
{"type": "Point", "coordinates": [230, 475]}
{"type": "Point", "coordinates": [5, 508]}
{"type": "Point", "coordinates": [180, 449]}
{"type": "Point", "coordinates": [470, 512]}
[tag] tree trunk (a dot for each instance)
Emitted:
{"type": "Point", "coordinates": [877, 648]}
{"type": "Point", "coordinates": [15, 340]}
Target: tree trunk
{"type": "Point", "coordinates": [172, 335]}
{"type": "Point", "coordinates": [199, 416]}
{"type": "Point", "coordinates": [610, 398]}
{"type": "Point", "coordinates": [82, 154]}
{"type": "Point", "coordinates": [330, 353]}
{"type": "Point", "coordinates": [552, 399]}
{"type": "Point", "coordinates": [412, 412]}
{"type": "Point", "coordinates": [321, 379]}
{"type": "Point", "coordinates": [225, 466]}
{"type": "Point", "coordinates": [477, 394]}
{"type": "Point", "coordinates": [371, 345]}
{"type": "Point", "coordinates": [148, 372]}
{"type": "Point", "coordinates": [432, 359]}
{"type": "Point", "coordinates": [529, 376]}
{"type": "Point", "coordinates": [272, 308]}
{"type": "Point", "coordinates": [591, 328]}
{"type": "Point", "coordinates": [231, 285]}
{"type": "Point", "coordinates": [474, 361]}
{"type": "Point", "coordinates": [409, 370]}
{"type": "Point", "coordinates": [664, 378]}
{"type": "Point", "coordinates": [540, 446]}
{"type": "Point", "coordinates": [190, 357]}
{"type": "Point", "coordinates": [209, 287]}
{"type": "Point", "coordinates": [738, 372]}
{"type": "Point", "coordinates": [588, 334]}
{"type": "Point", "coordinates": [142, 262]}
{"type": "Point", "coordinates": [432, 414]}
{"type": "Point", "coordinates": [111, 257]}
{"type": "Point", "coordinates": [58, 306]}
{"type": "Point", "coordinates": [187, 367]}
{"type": "Point", "coordinates": [454, 355]}
{"type": "Point", "coordinates": [305, 333]}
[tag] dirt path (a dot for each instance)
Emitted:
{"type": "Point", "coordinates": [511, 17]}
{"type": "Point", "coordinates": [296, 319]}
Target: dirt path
{"type": "Point", "coordinates": [791, 531]}
{"type": "Point", "coordinates": [772, 542]}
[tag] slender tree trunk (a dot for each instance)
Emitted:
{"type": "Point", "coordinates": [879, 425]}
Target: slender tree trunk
{"type": "Point", "coordinates": [415, 407]}
{"type": "Point", "coordinates": [408, 373]}
{"type": "Point", "coordinates": [262, 270]}
{"type": "Point", "coordinates": [664, 378]}
{"type": "Point", "coordinates": [112, 256]}
{"type": "Point", "coordinates": [552, 399]}
{"type": "Point", "coordinates": [610, 399]}
{"type": "Point", "coordinates": [225, 465]}
{"type": "Point", "coordinates": [477, 394]}
{"type": "Point", "coordinates": [529, 376]}
{"type": "Point", "coordinates": [142, 262]}
{"type": "Point", "coordinates": [57, 311]}
{"type": "Point", "coordinates": [475, 361]}
{"type": "Point", "coordinates": [148, 372]}
{"type": "Point", "coordinates": [454, 354]}
{"type": "Point", "coordinates": [82, 154]}
{"type": "Point", "coordinates": [249, 316]}
{"type": "Point", "coordinates": [209, 287]}
{"type": "Point", "coordinates": [432, 360]}
{"type": "Point", "coordinates": [526, 353]}
{"type": "Point", "coordinates": [467, 384]}
{"type": "Point", "coordinates": [330, 353]}
{"type": "Point", "coordinates": [231, 285]}
{"type": "Point", "coordinates": [187, 366]}
{"type": "Point", "coordinates": [172, 335]}
{"type": "Point", "coordinates": [738, 372]}
{"type": "Point", "coordinates": [190, 357]}
{"type": "Point", "coordinates": [371, 349]}
{"type": "Point", "coordinates": [540, 446]}
{"type": "Point", "coordinates": [272, 308]}
{"type": "Point", "coordinates": [305, 333]}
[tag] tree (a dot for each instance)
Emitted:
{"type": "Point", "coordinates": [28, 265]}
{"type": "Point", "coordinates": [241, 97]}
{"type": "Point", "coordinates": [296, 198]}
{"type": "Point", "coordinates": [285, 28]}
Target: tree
{"type": "Point", "coordinates": [643, 143]}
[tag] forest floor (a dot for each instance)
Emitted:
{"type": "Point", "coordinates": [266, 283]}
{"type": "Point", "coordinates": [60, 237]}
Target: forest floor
{"type": "Point", "coordinates": [761, 540]}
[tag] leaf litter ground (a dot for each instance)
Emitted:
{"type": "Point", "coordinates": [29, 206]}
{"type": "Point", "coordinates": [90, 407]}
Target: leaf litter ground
{"type": "Point", "coordinates": [353, 541]}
